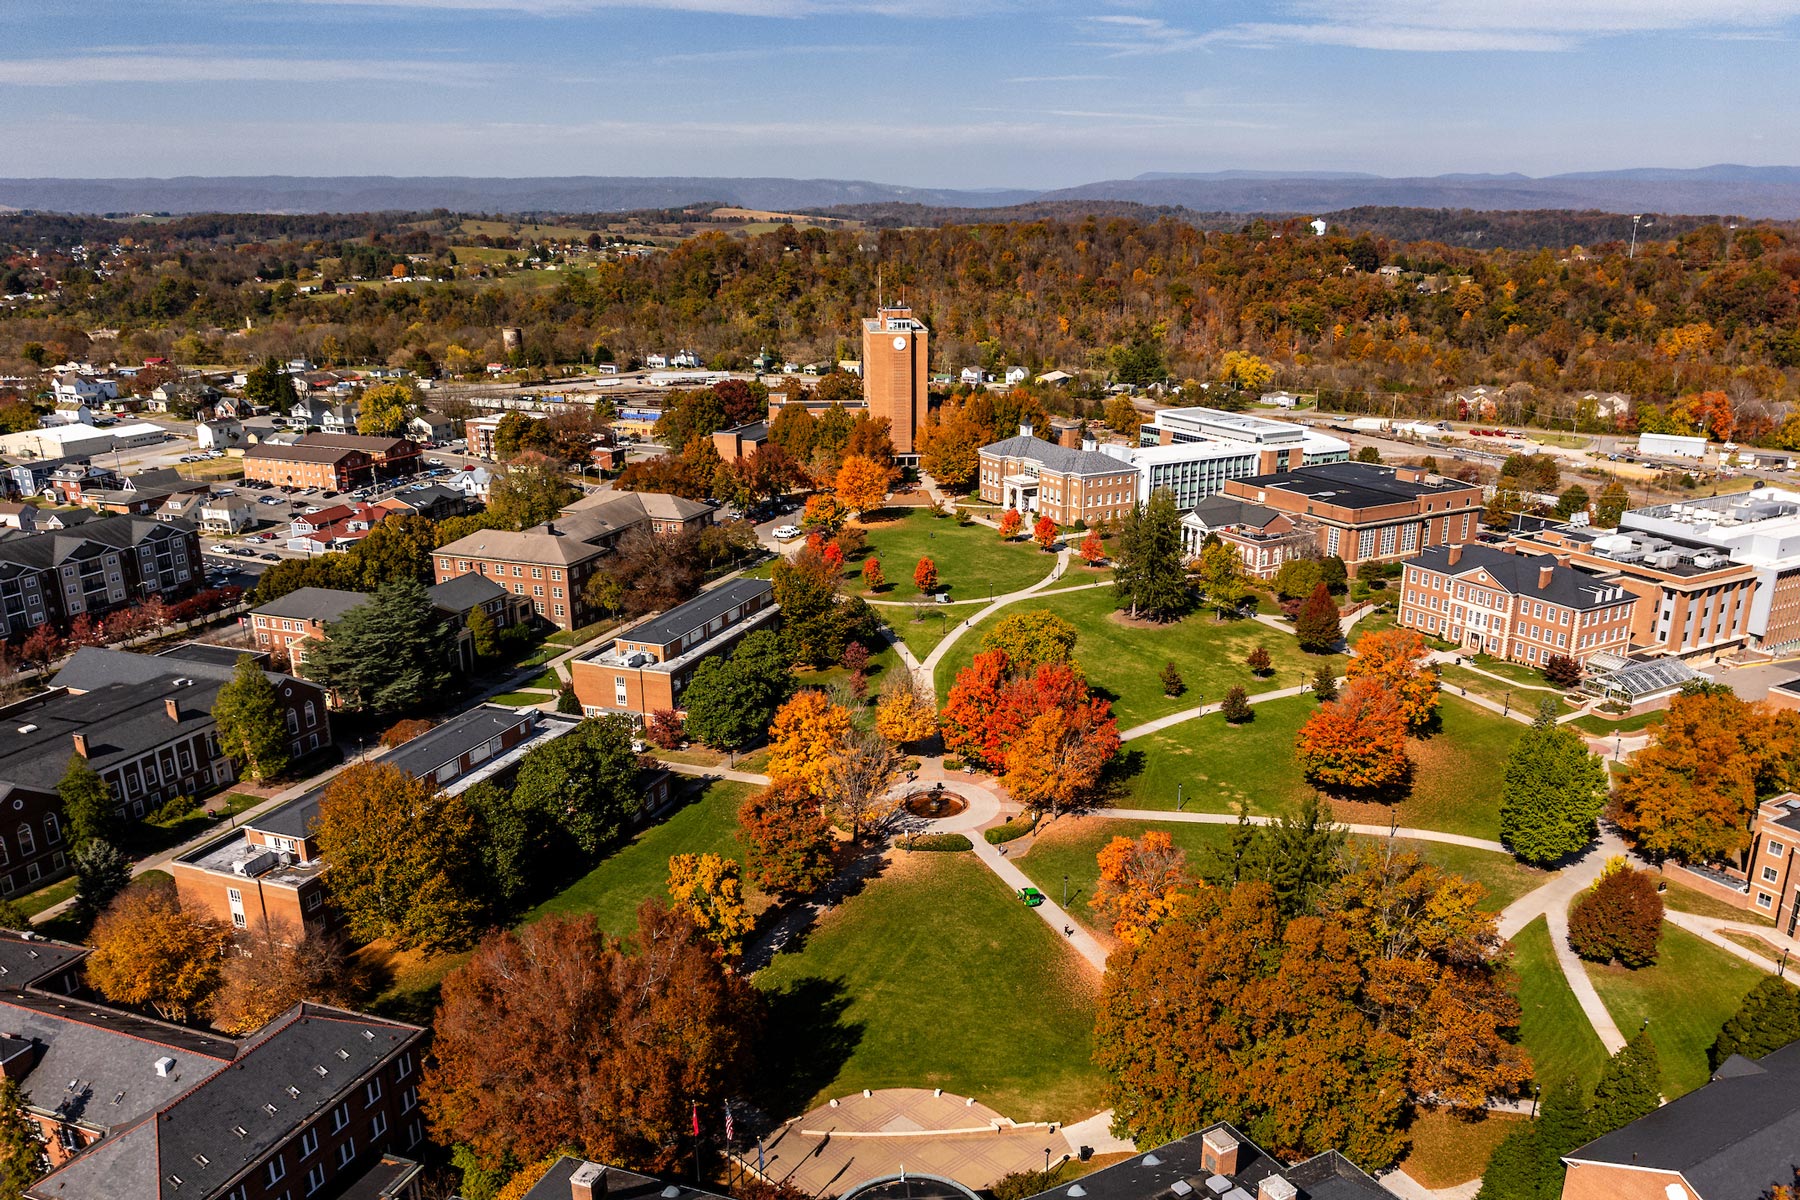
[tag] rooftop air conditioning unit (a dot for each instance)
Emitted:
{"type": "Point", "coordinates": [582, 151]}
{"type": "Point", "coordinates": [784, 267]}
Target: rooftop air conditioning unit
{"type": "Point", "coordinates": [28, 729]}
{"type": "Point", "coordinates": [164, 1065]}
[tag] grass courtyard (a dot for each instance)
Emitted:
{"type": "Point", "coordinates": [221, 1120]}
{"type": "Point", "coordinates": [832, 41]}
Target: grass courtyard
{"type": "Point", "coordinates": [935, 976]}
{"type": "Point", "coordinates": [1455, 787]}
{"type": "Point", "coordinates": [972, 562]}
{"type": "Point", "coordinates": [1125, 661]}
{"type": "Point", "coordinates": [1551, 1024]}
{"type": "Point", "coordinates": [1685, 997]}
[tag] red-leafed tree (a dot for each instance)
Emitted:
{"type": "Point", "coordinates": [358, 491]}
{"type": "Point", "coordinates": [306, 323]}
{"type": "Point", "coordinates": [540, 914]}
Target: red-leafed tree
{"type": "Point", "coordinates": [1010, 524]}
{"type": "Point", "coordinates": [991, 711]}
{"type": "Point", "coordinates": [1044, 533]}
{"type": "Point", "coordinates": [787, 840]}
{"type": "Point", "coordinates": [1092, 552]}
{"type": "Point", "coordinates": [925, 576]}
{"type": "Point", "coordinates": [1356, 742]}
{"type": "Point", "coordinates": [873, 579]}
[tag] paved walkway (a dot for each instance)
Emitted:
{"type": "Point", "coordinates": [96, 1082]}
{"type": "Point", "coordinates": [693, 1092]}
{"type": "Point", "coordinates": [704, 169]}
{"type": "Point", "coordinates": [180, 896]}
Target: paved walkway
{"type": "Point", "coordinates": [1198, 818]}
{"type": "Point", "coordinates": [924, 672]}
{"type": "Point", "coordinates": [701, 772]}
{"type": "Point", "coordinates": [1200, 710]}
{"type": "Point", "coordinates": [1408, 1188]}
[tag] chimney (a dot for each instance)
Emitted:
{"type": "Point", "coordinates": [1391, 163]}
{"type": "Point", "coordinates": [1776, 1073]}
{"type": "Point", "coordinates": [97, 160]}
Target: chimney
{"type": "Point", "coordinates": [1456, 554]}
{"type": "Point", "coordinates": [1544, 574]}
{"type": "Point", "coordinates": [1219, 1152]}
{"type": "Point", "coordinates": [1025, 429]}
{"type": "Point", "coordinates": [80, 744]}
{"type": "Point", "coordinates": [1071, 437]}
{"type": "Point", "coordinates": [1276, 1188]}
{"type": "Point", "coordinates": [588, 1182]}
{"type": "Point", "coordinates": [171, 708]}
{"type": "Point", "coordinates": [550, 528]}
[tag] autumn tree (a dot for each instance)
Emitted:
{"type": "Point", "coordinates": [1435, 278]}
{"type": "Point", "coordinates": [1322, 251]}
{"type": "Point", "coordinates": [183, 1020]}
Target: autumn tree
{"type": "Point", "coordinates": [925, 576]}
{"type": "Point", "coordinates": [1091, 551]}
{"type": "Point", "coordinates": [42, 647]}
{"type": "Point", "coordinates": [904, 715]}
{"type": "Point", "coordinates": [873, 579]}
{"type": "Point", "coordinates": [150, 952]}
{"type": "Point", "coordinates": [1563, 670]}
{"type": "Point", "coordinates": [1235, 707]}
{"type": "Point", "coordinates": [382, 410]}
{"type": "Point", "coordinates": [89, 810]}
{"type": "Point", "coordinates": [527, 491]}
{"type": "Point", "coordinates": [824, 513]}
{"type": "Point", "coordinates": [857, 777]}
{"type": "Point", "coordinates": [648, 572]}
{"type": "Point", "coordinates": [1618, 918]}
{"type": "Point", "coordinates": [1610, 504]}
{"type": "Point", "coordinates": [1551, 793]}
{"type": "Point", "coordinates": [22, 1160]}
{"type": "Point", "coordinates": [862, 483]}
{"type": "Point", "coordinates": [1222, 577]}
{"type": "Point", "coordinates": [787, 841]}
{"type": "Point", "coordinates": [1056, 762]}
{"type": "Point", "coordinates": [1316, 625]}
{"type": "Point", "coordinates": [1142, 881]}
{"type": "Point", "coordinates": [554, 1036]}
{"type": "Point", "coordinates": [663, 729]}
{"type": "Point", "coordinates": [707, 890]}
{"type": "Point", "coordinates": [1767, 1019]}
{"type": "Point", "coordinates": [1296, 578]}
{"type": "Point", "coordinates": [1031, 638]}
{"type": "Point", "coordinates": [1043, 532]}
{"type": "Point", "coordinates": [1010, 524]}
{"type": "Point", "coordinates": [1148, 576]}
{"type": "Point", "coordinates": [1356, 742]}
{"type": "Point", "coordinates": [402, 858]}
{"type": "Point", "coordinates": [1172, 683]}
{"type": "Point", "coordinates": [1397, 658]}
{"type": "Point", "coordinates": [1693, 790]}
{"type": "Point", "coordinates": [991, 705]}
{"type": "Point", "coordinates": [806, 735]}
{"type": "Point", "coordinates": [1259, 660]}
{"type": "Point", "coordinates": [252, 729]}
{"type": "Point", "coordinates": [268, 971]}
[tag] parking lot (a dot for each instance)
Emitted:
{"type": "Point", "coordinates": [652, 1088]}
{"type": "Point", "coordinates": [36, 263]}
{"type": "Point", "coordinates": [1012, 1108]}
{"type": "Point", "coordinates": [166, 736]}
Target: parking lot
{"type": "Point", "coordinates": [254, 549]}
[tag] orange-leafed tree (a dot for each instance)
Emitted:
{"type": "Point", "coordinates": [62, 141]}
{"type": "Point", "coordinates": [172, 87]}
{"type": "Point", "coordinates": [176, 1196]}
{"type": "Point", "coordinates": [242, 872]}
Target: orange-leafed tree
{"type": "Point", "coordinates": [862, 483]}
{"type": "Point", "coordinates": [787, 840]}
{"type": "Point", "coordinates": [1397, 657]}
{"type": "Point", "coordinates": [903, 714]}
{"type": "Point", "coordinates": [1010, 524]}
{"type": "Point", "coordinates": [823, 514]}
{"type": "Point", "coordinates": [833, 558]}
{"type": "Point", "coordinates": [150, 951]}
{"type": "Point", "coordinates": [1056, 762]}
{"type": "Point", "coordinates": [973, 697]}
{"type": "Point", "coordinates": [1044, 533]}
{"type": "Point", "coordinates": [1092, 552]}
{"type": "Point", "coordinates": [991, 706]}
{"type": "Point", "coordinates": [873, 579]}
{"type": "Point", "coordinates": [556, 1036]}
{"type": "Point", "coordinates": [807, 734]}
{"type": "Point", "coordinates": [1356, 742]}
{"type": "Point", "coordinates": [925, 576]}
{"type": "Point", "coordinates": [1141, 882]}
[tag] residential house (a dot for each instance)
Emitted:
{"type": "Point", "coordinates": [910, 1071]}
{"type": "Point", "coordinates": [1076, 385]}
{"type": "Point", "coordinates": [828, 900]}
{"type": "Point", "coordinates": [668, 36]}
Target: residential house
{"type": "Point", "coordinates": [646, 668]}
{"type": "Point", "coordinates": [69, 482]}
{"type": "Point", "coordinates": [1732, 1139]}
{"type": "Point", "coordinates": [1280, 400]}
{"type": "Point", "coordinates": [85, 389]}
{"type": "Point", "coordinates": [335, 527]}
{"type": "Point", "coordinates": [32, 478]}
{"type": "Point", "coordinates": [184, 396]}
{"type": "Point", "coordinates": [1605, 406]}
{"type": "Point", "coordinates": [281, 626]}
{"type": "Point", "coordinates": [461, 596]}
{"type": "Point", "coordinates": [69, 412]}
{"type": "Point", "coordinates": [1263, 538]}
{"type": "Point", "coordinates": [220, 433]}
{"type": "Point", "coordinates": [1525, 608]}
{"type": "Point", "coordinates": [103, 564]}
{"type": "Point", "coordinates": [226, 516]}
{"type": "Point", "coordinates": [436, 501]}
{"type": "Point", "coordinates": [473, 483]}
{"type": "Point", "coordinates": [1015, 376]}
{"type": "Point", "coordinates": [15, 514]}
{"type": "Point", "coordinates": [431, 428]}
{"type": "Point", "coordinates": [1037, 476]}
{"type": "Point", "coordinates": [142, 493]}
{"type": "Point", "coordinates": [181, 507]}
{"type": "Point", "coordinates": [1365, 512]}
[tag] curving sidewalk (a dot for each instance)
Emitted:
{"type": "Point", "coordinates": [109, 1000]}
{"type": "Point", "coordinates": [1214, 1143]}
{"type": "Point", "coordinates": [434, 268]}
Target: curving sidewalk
{"type": "Point", "coordinates": [924, 673]}
{"type": "Point", "coordinates": [1401, 831]}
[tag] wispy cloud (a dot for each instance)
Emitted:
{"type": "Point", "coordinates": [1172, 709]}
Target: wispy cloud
{"type": "Point", "coordinates": [188, 66]}
{"type": "Point", "coordinates": [1059, 78]}
{"type": "Point", "coordinates": [736, 8]}
{"type": "Point", "coordinates": [1439, 26]}
{"type": "Point", "coordinates": [752, 53]}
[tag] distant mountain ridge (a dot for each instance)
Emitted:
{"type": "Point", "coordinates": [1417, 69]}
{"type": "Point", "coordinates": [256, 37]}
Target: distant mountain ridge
{"type": "Point", "coordinates": [1755, 192]}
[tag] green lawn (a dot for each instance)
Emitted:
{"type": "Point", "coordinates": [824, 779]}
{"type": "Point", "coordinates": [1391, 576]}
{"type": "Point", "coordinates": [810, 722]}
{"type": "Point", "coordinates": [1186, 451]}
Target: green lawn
{"type": "Point", "coordinates": [1551, 1024]}
{"type": "Point", "coordinates": [1126, 661]}
{"type": "Point", "coordinates": [971, 560]}
{"type": "Point", "coordinates": [1071, 849]}
{"type": "Point", "coordinates": [638, 870]}
{"type": "Point", "coordinates": [935, 976]}
{"type": "Point", "coordinates": [1690, 992]}
{"type": "Point", "coordinates": [923, 626]}
{"type": "Point", "coordinates": [1521, 700]}
{"type": "Point", "coordinates": [1600, 726]}
{"type": "Point", "coordinates": [1519, 674]}
{"type": "Point", "coordinates": [1080, 574]}
{"type": "Point", "coordinates": [883, 659]}
{"type": "Point", "coordinates": [1455, 788]}
{"type": "Point", "coordinates": [518, 699]}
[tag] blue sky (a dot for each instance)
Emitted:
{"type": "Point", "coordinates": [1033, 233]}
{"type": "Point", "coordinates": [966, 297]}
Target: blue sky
{"type": "Point", "coordinates": [963, 93]}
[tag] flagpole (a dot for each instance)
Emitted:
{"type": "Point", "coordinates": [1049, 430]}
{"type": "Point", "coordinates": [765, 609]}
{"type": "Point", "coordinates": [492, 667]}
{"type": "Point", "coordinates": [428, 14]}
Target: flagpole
{"type": "Point", "coordinates": [696, 1143]}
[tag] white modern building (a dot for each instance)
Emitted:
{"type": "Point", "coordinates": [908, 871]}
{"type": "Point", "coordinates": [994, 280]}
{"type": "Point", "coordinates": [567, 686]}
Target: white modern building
{"type": "Point", "coordinates": [1191, 452]}
{"type": "Point", "coordinates": [1760, 529]}
{"type": "Point", "coordinates": [62, 441]}
{"type": "Point", "coordinates": [1672, 445]}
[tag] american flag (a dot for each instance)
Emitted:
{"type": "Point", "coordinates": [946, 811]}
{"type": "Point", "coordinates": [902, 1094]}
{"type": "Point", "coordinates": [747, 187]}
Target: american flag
{"type": "Point", "coordinates": [728, 1130]}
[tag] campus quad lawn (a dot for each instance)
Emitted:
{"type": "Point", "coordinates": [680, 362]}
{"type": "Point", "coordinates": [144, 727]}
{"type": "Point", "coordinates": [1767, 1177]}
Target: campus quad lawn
{"type": "Point", "coordinates": [972, 561]}
{"type": "Point", "coordinates": [1690, 992]}
{"type": "Point", "coordinates": [1602, 727]}
{"type": "Point", "coordinates": [1552, 1026]}
{"type": "Point", "coordinates": [1459, 679]}
{"type": "Point", "coordinates": [1126, 661]}
{"type": "Point", "coordinates": [936, 976]}
{"type": "Point", "coordinates": [612, 891]}
{"type": "Point", "coordinates": [1071, 848]}
{"type": "Point", "coordinates": [1456, 776]}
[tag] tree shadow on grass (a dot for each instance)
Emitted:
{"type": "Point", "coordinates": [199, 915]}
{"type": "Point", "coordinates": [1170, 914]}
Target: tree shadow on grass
{"type": "Point", "coordinates": [806, 1043]}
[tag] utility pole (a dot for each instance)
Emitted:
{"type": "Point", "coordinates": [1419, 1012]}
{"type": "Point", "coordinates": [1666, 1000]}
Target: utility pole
{"type": "Point", "coordinates": [1635, 218]}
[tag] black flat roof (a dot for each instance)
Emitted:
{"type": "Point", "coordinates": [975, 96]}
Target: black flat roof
{"type": "Point", "coordinates": [684, 618]}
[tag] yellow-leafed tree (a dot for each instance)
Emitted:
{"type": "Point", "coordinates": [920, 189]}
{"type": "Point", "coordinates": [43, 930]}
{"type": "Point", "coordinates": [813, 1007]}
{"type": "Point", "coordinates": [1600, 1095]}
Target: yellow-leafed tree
{"type": "Point", "coordinates": [709, 890]}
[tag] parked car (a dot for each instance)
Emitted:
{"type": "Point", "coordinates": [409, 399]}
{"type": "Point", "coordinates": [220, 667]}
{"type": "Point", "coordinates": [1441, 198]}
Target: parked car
{"type": "Point", "coordinates": [786, 533]}
{"type": "Point", "coordinates": [434, 462]}
{"type": "Point", "coordinates": [270, 557]}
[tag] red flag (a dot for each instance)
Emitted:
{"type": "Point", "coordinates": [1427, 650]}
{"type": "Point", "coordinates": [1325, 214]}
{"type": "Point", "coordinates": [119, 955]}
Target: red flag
{"type": "Point", "coordinates": [696, 1118]}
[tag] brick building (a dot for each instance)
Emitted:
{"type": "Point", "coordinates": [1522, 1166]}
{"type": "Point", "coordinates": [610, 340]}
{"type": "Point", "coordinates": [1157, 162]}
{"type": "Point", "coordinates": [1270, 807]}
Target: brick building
{"type": "Point", "coordinates": [896, 372]}
{"type": "Point", "coordinates": [645, 668]}
{"type": "Point", "coordinates": [1525, 608]}
{"type": "Point", "coordinates": [1263, 538]}
{"type": "Point", "coordinates": [1369, 513]}
{"type": "Point", "coordinates": [334, 461]}
{"type": "Point", "coordinates": [280, 625]}
{"type": "Point", "coordinates": [1037, 476]}
{"type": "Point", "coordinates": [94, 568]}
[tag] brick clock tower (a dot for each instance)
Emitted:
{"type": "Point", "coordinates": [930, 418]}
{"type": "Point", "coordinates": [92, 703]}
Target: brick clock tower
{"type": "Point", "coordinates": [895, 358]}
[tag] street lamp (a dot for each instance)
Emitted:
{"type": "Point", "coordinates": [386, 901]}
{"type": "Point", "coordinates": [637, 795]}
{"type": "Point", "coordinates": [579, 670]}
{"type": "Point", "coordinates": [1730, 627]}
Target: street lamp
{"type": "Point", "coordinates": [1178, 788]}
{"type": "Point", "coordinates": [1065, 890]}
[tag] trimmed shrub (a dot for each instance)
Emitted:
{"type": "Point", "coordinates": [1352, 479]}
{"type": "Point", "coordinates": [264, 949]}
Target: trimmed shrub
{"type": "Point", "coordinates": [1562, 670]}
{"type": "Point", "coordinates": [175, 810]}
{"type": "Point", "coordinates": [938, 842]}
{"type": "Point", "coordinates": [1018, 827]}
{"type": "Point", "coordinates": [1618, 919]}
{"type": "Point", "coordinates": [1236, 705]}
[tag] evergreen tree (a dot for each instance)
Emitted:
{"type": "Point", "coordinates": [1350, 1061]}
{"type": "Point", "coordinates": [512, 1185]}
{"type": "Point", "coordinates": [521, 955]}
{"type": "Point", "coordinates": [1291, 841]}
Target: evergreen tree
{"type": "Point", "coordinates": [1316, 624]}
{"type": "Point", "coordinates": [1551, 792]}
{"type": "Point", "coordinates": [101, 873]}
{"type": "Point", "coordinates": [483, 633]}
{"type": "Point", "coordinates": [584, 784]}
{"type": "Point", "coordinates": [21, 1154]}
{"type": "Point", "coordinates": [270, 386]}
{"type": "Point", "coordinates": [1149, 578]}
{"type": "Point", "coordinates": [1767, 1019]}
{"type": "Point", "coordinates": [388, 654]}
{"type": "Point", "coordinates": [1301, 856]}
{"type": "Point", "coordinates": [730, 701]}
{"type": "Point", "coordinates": [251, 727]}
{"type": "Point", "coordinates": [567, 702]}
{"type": "Point", "coordinates": [87, 803]}
{"type": "Point", "coordinates": [1324, 683]}
{"type": "Point", "coordinates": [1562, 1125]}
{"type": "Point", "coordinates": [1629, 1087]}
{"type": "Point", "coordinates": [1515, 1171]}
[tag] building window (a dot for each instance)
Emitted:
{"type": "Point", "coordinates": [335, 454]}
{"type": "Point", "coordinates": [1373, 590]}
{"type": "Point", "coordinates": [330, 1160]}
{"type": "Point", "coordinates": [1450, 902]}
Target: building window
{"type": "Point", "coordinates": [340, 1117]}
{"type": "Point", "coordinates": [1775, 849]}
{"type": "Point", "coordinates": [346, 1152]}
{"type": "Point", "coordinates": [27, 843]}
{"type": "Point", "coordinates": [1764, 900]}
{"type": "Point", "coordinates": [372, 1092]}
{"type": "Point", "coordinates": [377, 1125]}
{"type": "Point", "coordinates": [309, 1142]}
{"type": "Point", "coordinates": [315, 1178]}
{"type": "Point", "coordinates": [1770, 875]}
{"type": "Point", "coordinates": [52, 831]}
{"type": "Point", "coordinates": [277, 1170]}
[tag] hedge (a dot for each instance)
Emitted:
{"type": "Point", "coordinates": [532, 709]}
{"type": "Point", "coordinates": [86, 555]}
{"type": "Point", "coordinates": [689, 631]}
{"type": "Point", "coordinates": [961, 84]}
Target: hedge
{"type": "Point", "coordinates": [938, 841]}
{"type": "Point", "coordinates": [1018, 827]}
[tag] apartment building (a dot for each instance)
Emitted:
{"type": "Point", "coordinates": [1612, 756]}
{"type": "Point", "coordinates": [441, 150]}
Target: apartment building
{"type": "Point", "coordinates": [1365, 512]}
{"type": "Point", "coordinates": [645, 669]}
{"type": "Point", "coordinates": [1525, 608]}
{"type": "Point", "coordinates": [268, 874]}
{"type": "Point", "coordinates": [1192, 452]}
{"type": "Point", "coordinates": [1041, 477]}
{"type": "Point", "coordinates": [1696, 602]}
{"type": "Point", "coordinates": [333, 468]}
{"type": "Point", "coordinates": [281, 626]}
{"type": "Point", "coordinates": [550, 564]}
{"type": "Point", "coordinates": [896, 373]}
{"type": "Point", "coordinates": [1263, 538]}
{"type": "Point", "coordinates": [94, 568]}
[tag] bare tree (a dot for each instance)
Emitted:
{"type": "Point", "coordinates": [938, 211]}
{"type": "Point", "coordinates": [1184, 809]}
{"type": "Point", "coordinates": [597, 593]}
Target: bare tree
{"type": "Point", "coordinates": [859, 778]}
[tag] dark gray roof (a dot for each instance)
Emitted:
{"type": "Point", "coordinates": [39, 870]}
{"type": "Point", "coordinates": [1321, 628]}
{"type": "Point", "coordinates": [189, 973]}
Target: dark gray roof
{"type": "Point", "coordinates": [25, 960]}
{"type": "Point", "coordinates": [208, 654]}
{"type": "Point", "coordinates": [93, 667]}
{"type": "Point", "coordinates": [464, 592]}
{"type": "Point", "coordinates": [683, 618]}
{"type": "Point", "coordinates": [1218, 510]}
{"type": "Point", "coordinates": [117, 532]}
{"type": "Point", "coordinates": [1149, 1176]}
{"type": "Point", "coordinates": [312, 604]}
{"type": "Point", "coordinates": [1060, 459]}
{"type": "Point", "coordinates": [456, 737]}
{"type": "Point", "coordinates": [1520, 574]}
{"type": "Point", "coordinates": [120, 721]}
{"type": "Point", "coordinates": [1354, 484]}
{"type": "Point", "coordinates": [383, 1180]}
{"type": "Point", "coordinates": [1737, 1136]}
{"type": "Point", "coordinates": [620, 1185]}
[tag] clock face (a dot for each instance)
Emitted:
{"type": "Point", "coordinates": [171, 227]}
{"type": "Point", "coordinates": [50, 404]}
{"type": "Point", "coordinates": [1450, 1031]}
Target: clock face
{"type": "Point", "coordinates": [899, 343]}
